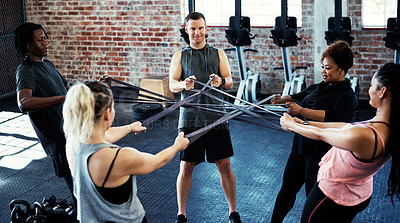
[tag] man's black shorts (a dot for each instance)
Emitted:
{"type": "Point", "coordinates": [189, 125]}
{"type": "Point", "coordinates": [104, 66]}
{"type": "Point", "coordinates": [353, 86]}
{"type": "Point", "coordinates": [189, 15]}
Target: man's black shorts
{"type": "Point", "coordinates": [216, 144]}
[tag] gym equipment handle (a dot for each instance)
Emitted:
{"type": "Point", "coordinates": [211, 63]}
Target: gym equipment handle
{"type": "Point", "coordinates": [293, 69]}
{"type": "Point", "coordinates": [244, 50]}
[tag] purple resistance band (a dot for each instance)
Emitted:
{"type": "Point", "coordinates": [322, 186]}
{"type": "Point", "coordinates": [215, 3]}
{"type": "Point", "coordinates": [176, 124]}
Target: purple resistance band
{"type": "Point", "coordinates": [159, 115]}
{"type": "Point", "coordinates": [239, 109]}
{"type": "Point", "coordinates": [193, 136]}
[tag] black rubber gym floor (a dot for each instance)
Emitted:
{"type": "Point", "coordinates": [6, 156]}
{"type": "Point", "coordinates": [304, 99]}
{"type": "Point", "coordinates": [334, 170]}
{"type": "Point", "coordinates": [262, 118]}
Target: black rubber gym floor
{"type": "Point", "coordinates": [258, 163]}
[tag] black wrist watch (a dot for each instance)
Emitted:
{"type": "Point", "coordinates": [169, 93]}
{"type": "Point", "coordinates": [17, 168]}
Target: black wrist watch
{"type": "Point", "coordinates": [223, 81]}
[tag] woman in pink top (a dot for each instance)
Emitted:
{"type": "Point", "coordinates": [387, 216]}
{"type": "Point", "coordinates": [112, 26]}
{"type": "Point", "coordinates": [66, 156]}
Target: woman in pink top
{"type": "Point", "coordinates": [359, 150]}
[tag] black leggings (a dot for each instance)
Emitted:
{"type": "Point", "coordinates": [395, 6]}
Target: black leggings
{"type": "Point", "coordinates": [299, 170]}
{"type": "Point", "coordinates": [320, 208]}
{"type": "Point", "coordinates": [61, 166]}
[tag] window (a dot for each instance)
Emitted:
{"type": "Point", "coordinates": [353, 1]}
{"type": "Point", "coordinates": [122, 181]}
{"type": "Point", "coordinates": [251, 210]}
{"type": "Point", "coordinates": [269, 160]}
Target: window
{"type": "Point", "coordinates": [376, 12]}
{"type": "Point", "coordinates": [261, 12]}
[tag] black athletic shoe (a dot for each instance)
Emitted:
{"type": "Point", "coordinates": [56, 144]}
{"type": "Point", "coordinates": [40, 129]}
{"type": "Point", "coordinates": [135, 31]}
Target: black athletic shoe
{"type": "Point", "coordinates": [234, 218]}
{"type": "Point", "coordinates": [181, 219]}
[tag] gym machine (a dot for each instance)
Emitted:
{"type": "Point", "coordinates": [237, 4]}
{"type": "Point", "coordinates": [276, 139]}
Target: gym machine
{"type": "Point", "coordinates": [339, 28]}
{"type": "Point", "coordinates": [182, 30]}
{"type": "Point", "coordinates": [238, 35]}
{"type": "Point", "coordinates": [392, 39]}
{"type": "Point", "coordinates": [284, 35]}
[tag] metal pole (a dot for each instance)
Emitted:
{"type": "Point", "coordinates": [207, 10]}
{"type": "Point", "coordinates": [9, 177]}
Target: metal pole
{"type": "Point", "coordinates": [241, 63]}
{"type": "Point", "coordinates": [398, 16]}
{"type": "Point", "coordinates": [284, 12]}
{"type": "Point", "coordinates": [238, 14]}
{"type": "Point", "coordinates": [396, 57]}
{"type": "Point", "coordinates": [396, 52]}
{"type": "Point", "coordinates": [242, 68]}
{"type": "Point", "coordinates": [338, 15]}
{"type": "Point", "coordinates": [286, 64]}
{"type": "Point", "coordinates": [191, 5]}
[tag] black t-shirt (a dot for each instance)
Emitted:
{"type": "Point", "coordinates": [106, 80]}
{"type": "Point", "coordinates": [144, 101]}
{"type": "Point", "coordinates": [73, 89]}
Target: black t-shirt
{"type": "Point", "coordinates": [45, 81]}
{"type": "Point", "coordinates": [339, 102]}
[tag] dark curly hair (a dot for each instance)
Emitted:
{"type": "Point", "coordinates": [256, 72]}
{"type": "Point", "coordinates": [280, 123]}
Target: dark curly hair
{"type": "Point", "coordinates": [341, 53]}
{"type": "Point", "coordinates": [23, 35]}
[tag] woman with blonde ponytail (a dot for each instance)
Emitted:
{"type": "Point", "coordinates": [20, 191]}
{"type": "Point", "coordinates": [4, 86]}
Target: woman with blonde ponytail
{"type": "Point", "coordinates": [105, 174]}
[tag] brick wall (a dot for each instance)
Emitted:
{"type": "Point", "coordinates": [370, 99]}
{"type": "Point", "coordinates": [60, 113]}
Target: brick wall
{"type": "Point", "coordinates": [371, 50]}
{"type": "Point", "coordinates": [132, 40]}
{"type": "Point", "coordinates": [129, 40]}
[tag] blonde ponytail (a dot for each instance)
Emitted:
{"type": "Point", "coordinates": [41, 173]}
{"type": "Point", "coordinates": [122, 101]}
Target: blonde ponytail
{"type": "Point", "coordinates": [78, 113]}
{"type": "Point", "coordinates": [83, 107]}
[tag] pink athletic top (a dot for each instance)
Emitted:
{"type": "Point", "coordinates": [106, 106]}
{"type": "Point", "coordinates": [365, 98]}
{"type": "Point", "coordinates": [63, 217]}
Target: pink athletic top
{"type": "Point", "coordinates": [347, 180]}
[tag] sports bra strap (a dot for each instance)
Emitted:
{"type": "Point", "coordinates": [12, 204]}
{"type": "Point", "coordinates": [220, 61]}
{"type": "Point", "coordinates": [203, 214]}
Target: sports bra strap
{"type": "Point", "coordinates": [111, 166]}
{"type": "Point", "coordinates": [376, 134]}
{"type": "Point", "coordinates": [376, 145]}
{"type": "Point", "coordinates": [366, 122]}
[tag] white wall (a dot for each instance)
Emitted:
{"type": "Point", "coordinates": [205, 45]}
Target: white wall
{"type": "Point", "coordinates": [323, 10]}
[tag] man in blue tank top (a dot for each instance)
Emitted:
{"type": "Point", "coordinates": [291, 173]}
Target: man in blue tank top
{"type": "Point", "coordinates": [201, 61]}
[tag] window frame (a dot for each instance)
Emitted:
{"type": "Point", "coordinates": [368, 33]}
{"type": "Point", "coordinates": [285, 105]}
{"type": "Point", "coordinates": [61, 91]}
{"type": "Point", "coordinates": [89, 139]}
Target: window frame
{"type": "Point", "coordinates": [376, 27]}
{"type": "Point", "coordinates": [185, 11]}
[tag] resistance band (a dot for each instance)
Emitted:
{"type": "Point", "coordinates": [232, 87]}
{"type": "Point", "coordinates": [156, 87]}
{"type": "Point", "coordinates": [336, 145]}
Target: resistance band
{"type": "Point", "coordinates": [225, 116]}
{"type": "Point", "coordinates": [159, 115]}
{"type": "Point", "coordinates": [231, 96]}
{"type": "Point", "coordinates": [193, 136]}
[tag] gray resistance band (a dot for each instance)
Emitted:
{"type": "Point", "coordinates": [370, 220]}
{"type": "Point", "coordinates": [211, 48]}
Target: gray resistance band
{"type": "Point", "coordinates": [200, 132]}
{"type": "Point", "coordinates": [231, 96]}
{"type": "Point", "coordinates": [193, 136]}
{"type": "Point", "coordinates": [157, 116]}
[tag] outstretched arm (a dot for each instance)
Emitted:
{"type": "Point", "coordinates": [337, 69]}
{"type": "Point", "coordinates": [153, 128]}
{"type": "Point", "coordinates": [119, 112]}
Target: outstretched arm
{"type": "Point", "coordinates": [354, 138]}
{"type": "Point", "coordinates": [114, 134]}
{"type": "Point", "coordinates": [323, 125]}
{"type": "Point", "coordinates": [134, 162]}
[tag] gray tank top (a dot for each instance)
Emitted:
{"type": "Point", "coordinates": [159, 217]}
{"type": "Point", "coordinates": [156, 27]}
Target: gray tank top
{"type": "Point", "coordinates": [200, 63]}
{"type": "Point", "coordinates": [92, 207]}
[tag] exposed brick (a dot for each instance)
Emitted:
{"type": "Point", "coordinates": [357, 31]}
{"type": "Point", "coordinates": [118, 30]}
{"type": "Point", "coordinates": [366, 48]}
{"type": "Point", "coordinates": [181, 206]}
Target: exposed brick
{"type": "Point", "coordinates": [132, 40]}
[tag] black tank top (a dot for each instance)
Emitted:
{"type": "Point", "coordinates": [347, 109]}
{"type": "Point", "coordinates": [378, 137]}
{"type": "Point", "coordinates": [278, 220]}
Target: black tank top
{"type": "Point", "coordinates": [116, 195]}
{"type": "Point", "coordinates": [201, 63]}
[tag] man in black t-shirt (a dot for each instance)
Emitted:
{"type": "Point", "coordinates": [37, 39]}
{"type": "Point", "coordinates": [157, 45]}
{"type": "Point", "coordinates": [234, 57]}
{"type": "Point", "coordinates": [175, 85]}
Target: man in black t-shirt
{"type": "Point", "coordinates": [41, 90]}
